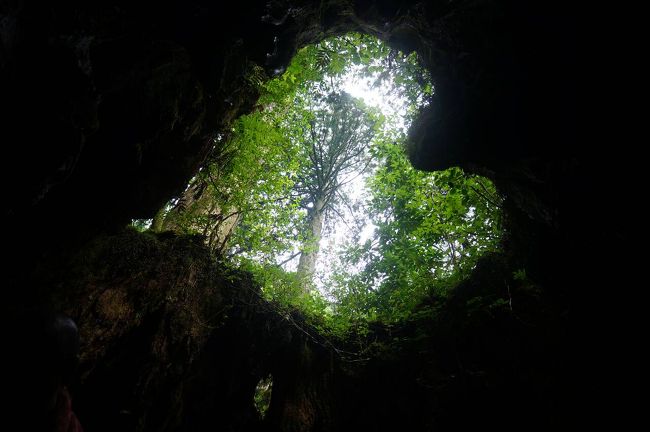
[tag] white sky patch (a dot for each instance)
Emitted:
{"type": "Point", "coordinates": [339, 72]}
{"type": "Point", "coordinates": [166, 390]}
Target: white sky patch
{"type": "Point", "coordinates": [392, 106]}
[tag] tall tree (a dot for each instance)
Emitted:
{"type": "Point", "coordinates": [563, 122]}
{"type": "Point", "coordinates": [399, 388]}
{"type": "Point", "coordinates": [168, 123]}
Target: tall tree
{"type": "Point", "coordinates": [337, 137]}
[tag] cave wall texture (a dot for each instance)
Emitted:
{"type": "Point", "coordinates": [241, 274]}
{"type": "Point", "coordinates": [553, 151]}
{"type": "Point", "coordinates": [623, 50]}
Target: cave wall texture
{"type": "Point", "coordinates": [109, 107]}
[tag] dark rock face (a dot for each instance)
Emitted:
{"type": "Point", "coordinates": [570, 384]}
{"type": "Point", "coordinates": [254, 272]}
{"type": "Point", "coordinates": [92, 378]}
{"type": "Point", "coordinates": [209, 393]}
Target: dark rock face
{"type": "Point", "coordinates": [109, 107]}
{"type": "Point", "coordinates": [171, 340]}
{"type": "Point", "coordinates": [479, 359]}
{"type": "Point", "coordinates": [166, 342]}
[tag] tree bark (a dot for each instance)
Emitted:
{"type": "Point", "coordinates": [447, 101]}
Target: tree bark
{"type": "Point", "coordinates": [309, 254]}
{"type": "Point", "coordinates": [185, 204]}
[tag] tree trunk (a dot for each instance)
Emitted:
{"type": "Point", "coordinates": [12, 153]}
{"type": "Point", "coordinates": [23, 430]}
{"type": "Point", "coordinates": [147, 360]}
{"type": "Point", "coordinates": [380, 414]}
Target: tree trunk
{"type": "Point", "coordinates": [309, 254]}
{"type": "Point", "coordinates": [223, 229]}
{"type": "Point", "coordinates": [184, 205]}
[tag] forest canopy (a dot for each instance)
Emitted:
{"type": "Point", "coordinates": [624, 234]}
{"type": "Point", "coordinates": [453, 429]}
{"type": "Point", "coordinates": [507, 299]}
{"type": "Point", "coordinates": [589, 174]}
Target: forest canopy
{"type": "Point", "coordinates": [313, 193]}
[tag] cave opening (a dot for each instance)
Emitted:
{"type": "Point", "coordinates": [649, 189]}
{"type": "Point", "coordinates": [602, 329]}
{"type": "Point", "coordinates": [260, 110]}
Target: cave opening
{"type": "Point", "coordinates": [313, 192]}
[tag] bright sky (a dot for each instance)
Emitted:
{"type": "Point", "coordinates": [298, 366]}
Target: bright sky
{"type": "Point", "coordinates": [392, 106]}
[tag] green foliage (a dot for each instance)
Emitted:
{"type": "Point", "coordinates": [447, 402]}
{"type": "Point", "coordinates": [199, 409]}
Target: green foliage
{"type": "Point", "coordinates": [285, 290]}
{"type": "Point", "coordinates": [259, 187]}
{"type": "Point", "coordinates": [254, 202]}
{"type": "Point", "coordinates": [520, 275]}
{"type": "Point", "coordinates": [365, 55]}
{"type": "Point", "coordinates": [243, 203]}
{"type": "Point", "coordinates": [262, 397]}
{"type": "Point", "coordinates": [141, 224]}
{"type": "Point", "coordinates": [431, 228]}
